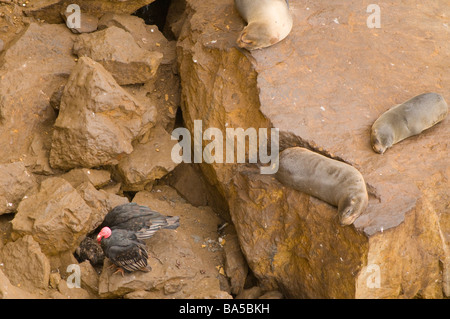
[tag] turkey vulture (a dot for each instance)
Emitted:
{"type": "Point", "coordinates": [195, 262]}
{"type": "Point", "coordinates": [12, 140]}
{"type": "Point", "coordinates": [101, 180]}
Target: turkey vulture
{"type": "Point", "coordinates": [124, 249]}
{"type": "Point", "coordinates": [139, 219]}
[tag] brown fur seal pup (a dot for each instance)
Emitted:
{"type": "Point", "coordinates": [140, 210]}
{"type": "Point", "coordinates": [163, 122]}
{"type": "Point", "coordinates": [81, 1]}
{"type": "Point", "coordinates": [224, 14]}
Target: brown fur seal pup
{"type": "Point", "coordinates": [332, 181]}
{"type": "Point", "coordinates": [407, 119]}
{"type": "Point", "coordinates": [269, 22]}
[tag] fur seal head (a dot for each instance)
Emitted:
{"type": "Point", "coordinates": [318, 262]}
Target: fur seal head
{"type": "Point", "coordinates": [255, 36]}
{"type": "Point", "coordinates": [381, 139]}
{"type": "Point", "coordinates": [350, 208]}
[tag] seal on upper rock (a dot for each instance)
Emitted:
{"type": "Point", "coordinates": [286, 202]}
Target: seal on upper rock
{"type": "Point", "coordinates": [332, 181]}
{"type": "Point", "coordinates": [269, 22]}
{"type": "Point", "coordinates": [407, 119]}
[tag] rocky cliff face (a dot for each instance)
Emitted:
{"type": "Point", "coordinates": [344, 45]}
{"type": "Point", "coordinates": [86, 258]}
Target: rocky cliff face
{"type": "Point", "coordinates": [85, 127]}
{"type": "Point", "coordinates": [323, 87]}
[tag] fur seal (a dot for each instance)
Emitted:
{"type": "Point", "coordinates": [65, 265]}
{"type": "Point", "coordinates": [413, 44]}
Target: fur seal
{"type": "Point", "coordinates": [407, 119]}
{"type": "Point", "coordinates": [332, 181]}
{"type": "Point", "coordinates": [269, 22]}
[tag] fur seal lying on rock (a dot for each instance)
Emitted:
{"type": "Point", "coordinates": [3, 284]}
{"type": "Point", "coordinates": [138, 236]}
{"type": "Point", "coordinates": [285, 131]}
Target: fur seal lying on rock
{"type": "Point", "coordinates": [269, 22]}
{"type": "Point", "coordinates": [332, 181]}
{"type": "Point", "coordinates": [407, 119]}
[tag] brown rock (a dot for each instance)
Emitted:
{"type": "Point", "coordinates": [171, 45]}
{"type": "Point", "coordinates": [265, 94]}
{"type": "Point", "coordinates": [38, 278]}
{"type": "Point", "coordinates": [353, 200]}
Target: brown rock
{"type": "Point", "coordinates": [274, 294]}
{"type": "Point", "coordinates": [97, 177]}
{"type": "Point", "coordinates": [56, 217]}
{"type": "Point", "coordinates": [250, 293]}
{"type": "Point", "coordinates": [97, 121]}
{"type": "Point", "coordinates": [150, 160]}
{"type": "Point", "coordinates": [236, 266]}
{"type": "Point", "coordinates": [183, 264]}
{"type": "Point", "coordinates": [27, 81]}
{"type": "Point", "coordinates": [24, 264]}
{"type": "Point", "coordinates": [49, 10]}
{"type": "Point", "coordinates": [190, 183]}
{"type": "Point", "coordinates": [88, 23]}
{"type": "Point", "coordinates": [89, 278]}
{"type": "Point", "coordinates": [117, 51]}
{"type": "Point", "coordinates": [146, 36]}
{"type": "Point", "coordinates": [100, 201]}
{"type": "Point", "coordinates": [15, 183]}
{"type": "Point", "coordinates": [9, 291]}
{"type": "Point", "coordinates": [291, 241]}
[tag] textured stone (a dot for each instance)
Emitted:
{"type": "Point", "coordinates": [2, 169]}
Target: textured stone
{"type": "Point", "coordinates": [150, 160]}
{"type": "Point", "coordinates": [323, 87]}
{"type": "Point", "coordinates": [50, 10]}
{"type": "Point", "coordinates": [183, 263]}
{"type": "Point", "coordinates": [15, 183]}
{"type": "Point", "coordinates": [34, 66]}
{"type": "Point", "coordinates": [146, 36]}
{"type": "Point", "coordinates": [98, 178]}
{"type": "Point", "coordinates": [24, 263]}
{"type": "Point", "coordinates": [119, 53]}
{"type": "Point", "coordinates": [57, 217]}
{"type": "Point", "coordinates": [97, 121]}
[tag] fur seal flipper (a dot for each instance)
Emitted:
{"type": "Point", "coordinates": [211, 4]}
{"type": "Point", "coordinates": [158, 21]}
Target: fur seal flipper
{"type": "Point", "coordinates": [407, 119]}
{"type": "Point", "coordinates": [269, 22]}
{"type": "Point", "coordinates": [332, 181]}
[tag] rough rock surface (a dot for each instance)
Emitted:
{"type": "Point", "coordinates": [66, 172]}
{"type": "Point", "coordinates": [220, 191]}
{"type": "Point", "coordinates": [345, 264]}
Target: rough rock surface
{"type": "Point", "coordinates": [25, 264]}
{"type": "Point", "coordinates": [50, 10]}
{"type": "Point", "coordinates": [147, 37]}
{"type": "Point", "coordinates": [184, 262]}
{"type": "Point", "coordinates": [10, 291]}
{"type": "Point", "coordinates": [119, 53]}
{"type": "Point", "coordinates": [98, 120]}
{"type": "Point", "coordinates": [56, 217]}
{"type": "Point", "coordinates": [323, 87]}
{"type": "Point", "coordinates": [149, 161]}
{"type": "Point", "coordinates": [27, 81]}
{"type": "Point", "coordinates": [15, 183]}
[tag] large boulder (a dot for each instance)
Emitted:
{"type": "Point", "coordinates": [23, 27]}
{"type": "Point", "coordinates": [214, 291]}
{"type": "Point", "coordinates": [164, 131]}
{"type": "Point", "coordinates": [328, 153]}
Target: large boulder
{"type": "Point", "coordinates": [119, 53]}
{"type": "Point", "coordinates": [56, 217]}
{"type": "Point", "coordinates": [25, 264]}
{"type": "Point", "coordinates": [323, 87]}
{"type": "Point", "coordinates": [34, 66]}
{"type": "Point", "coordinates": [97, 121]}
{"type": "Point", "coordinates": [150, 160]}
{"type": "Point", "coordinates": [15, 183]}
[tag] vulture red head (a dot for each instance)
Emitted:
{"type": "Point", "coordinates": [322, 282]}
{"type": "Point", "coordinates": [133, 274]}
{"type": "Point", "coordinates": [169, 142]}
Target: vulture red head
{"type": "Point", "coordinates": [104, 233]}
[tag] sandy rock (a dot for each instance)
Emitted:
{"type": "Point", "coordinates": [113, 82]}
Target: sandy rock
{"type": "Point", "coordinates": [183, 263]}
{"type": "Point", "coordinates": [15, 183]}
{"type": "Point", "coordinates": [148, 161]}
{"type": "Point", "coordinates": [119, 53]}
{"type": "Point", "coordinates": [50, 10]}
{"type": "Point", "coordinates": [236, 266]}
{"type": "Point", "coordinates": [57, 217]}
{"type": "Point", "coordinates": [88, 23]}
{"type": "Point", "coordinates": [290, 240]}
{"type": "Point", "coordinates": [97, 121]}
{"type": "Point", "coordinates": [27, 81]}
{"type": "Point", "coordinates": [274, 294]}
{"type": "Point", "coordinates": [147, 37]}
{"type": "Point", "coordinates": [9, 291]}
{"type": "Point", "coordinates": [25, 264]}
{"type": "Point", "coordinates": [190, 183]}
{"type": "Point", "coordinates": [97, 177]}
{"type": "Point", "coordinates": [100, 201]}
{"type": "Point", "coordinates": [89, 278]}
{"type": "Point", "coordinates": [70, 292]}
{"type": "Point", "coordinates": [250, 293]}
